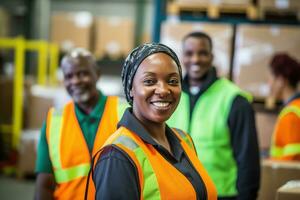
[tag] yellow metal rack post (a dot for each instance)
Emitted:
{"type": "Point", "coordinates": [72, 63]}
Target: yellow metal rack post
{"type": "Point", "coordinates": [20, 45]}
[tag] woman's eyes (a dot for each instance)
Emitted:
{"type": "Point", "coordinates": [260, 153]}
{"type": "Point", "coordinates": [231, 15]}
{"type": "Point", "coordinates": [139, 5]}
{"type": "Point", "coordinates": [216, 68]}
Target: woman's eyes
{"type": "Point", "coordinates": [149, 82]}
{"type": "Point", "coordinates": [172, 81]}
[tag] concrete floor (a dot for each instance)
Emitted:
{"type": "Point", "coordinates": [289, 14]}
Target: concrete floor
{"type": "Point", "coordinates": [14, 189]}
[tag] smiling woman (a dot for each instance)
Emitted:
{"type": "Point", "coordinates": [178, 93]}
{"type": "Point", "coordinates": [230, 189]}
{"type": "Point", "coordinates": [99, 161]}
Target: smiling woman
{"type": "Point", "coordinates": [156, 89]}
{"type": "Point", "coordinates": [144, 158]}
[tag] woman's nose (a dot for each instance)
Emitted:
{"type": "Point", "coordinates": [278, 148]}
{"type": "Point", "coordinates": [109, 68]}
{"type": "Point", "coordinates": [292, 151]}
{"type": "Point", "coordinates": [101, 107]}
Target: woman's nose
{"type": "Point", "coordinates": [162, 89]}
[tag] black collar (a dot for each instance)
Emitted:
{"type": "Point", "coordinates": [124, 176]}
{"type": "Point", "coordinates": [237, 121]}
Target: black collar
{"type": "Point", "coordinates": [292, 98]}
{"type": "Point", "coordinates": [130, 122]}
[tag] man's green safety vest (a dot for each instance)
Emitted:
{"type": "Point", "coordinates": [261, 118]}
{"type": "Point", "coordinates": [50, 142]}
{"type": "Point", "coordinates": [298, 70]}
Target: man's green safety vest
{"type": "Point", "coordinates": [210, 132]}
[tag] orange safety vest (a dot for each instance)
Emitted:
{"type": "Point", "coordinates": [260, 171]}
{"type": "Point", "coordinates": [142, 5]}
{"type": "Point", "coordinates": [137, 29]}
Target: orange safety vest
{"type": "Point", "coordinates": [286, 137]}
{"type": "Point", "coordinates": [158, 178]}
{"type": "Point", "coordinates": [69, 153]}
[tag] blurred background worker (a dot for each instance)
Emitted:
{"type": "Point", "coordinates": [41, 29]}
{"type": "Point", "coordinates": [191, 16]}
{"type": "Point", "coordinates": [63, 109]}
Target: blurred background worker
{"type": "Point", "coordinates": [220, 120]}
{"type": "Point", "coordinates": [285, 76]}
{"type": "Point", "coordinates": [70, 136]}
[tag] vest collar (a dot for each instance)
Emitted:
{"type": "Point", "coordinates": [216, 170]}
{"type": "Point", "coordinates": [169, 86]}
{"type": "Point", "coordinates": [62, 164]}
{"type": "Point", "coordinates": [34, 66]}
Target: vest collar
{"type": "Point", "coordinates": [130, 122]}
{"type": "Point", "coordinates": [292, 98]}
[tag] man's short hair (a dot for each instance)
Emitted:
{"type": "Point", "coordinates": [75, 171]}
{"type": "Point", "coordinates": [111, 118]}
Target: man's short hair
{"type": "Point", "coordinates": [199, 35]}
{"type": "Point", "coordinates": [81, 53]}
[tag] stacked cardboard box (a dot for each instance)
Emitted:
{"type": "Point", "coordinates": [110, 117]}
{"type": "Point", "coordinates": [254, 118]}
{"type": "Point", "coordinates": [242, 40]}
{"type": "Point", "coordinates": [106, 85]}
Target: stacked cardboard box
{"type": "Point", "coordinates": [40, 100]}
{"type": "Point", "coordinates": [255, 46]}
{"type": "Point", "coordinates": [274, 175]}
{"type": "Point", "coordinates": [289, 191]}
{"type": "Point", "coordinates": [114, 37]}
{"type": "Point", "coordinates": [216, 2]}
{"type": "Point", "coordinates": [194, 2]}
{"type": "Point", "coordinates": [173, 33]}
{"type": "Point", "coordinates": [27, 152]}
{"type": "Point", "coordinates": [4, 22]}
{"type": "Point", "coordinates": [71, 30]}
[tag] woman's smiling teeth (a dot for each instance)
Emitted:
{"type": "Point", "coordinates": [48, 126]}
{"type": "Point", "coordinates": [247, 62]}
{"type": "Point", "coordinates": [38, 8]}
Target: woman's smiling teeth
{"type": "Point", "coordinates": [161, 104]}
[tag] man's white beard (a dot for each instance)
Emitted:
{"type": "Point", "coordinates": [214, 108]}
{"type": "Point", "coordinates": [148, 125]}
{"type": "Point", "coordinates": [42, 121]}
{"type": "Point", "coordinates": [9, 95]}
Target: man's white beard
{"type": "Point", "coordinates": [82, 97]}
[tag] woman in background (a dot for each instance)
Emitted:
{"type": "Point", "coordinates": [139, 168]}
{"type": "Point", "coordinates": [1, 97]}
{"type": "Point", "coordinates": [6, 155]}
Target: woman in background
{"type": "Point", "coordinates": [144, 158]}
{"type": "Point", "coordinates": [285, 76]}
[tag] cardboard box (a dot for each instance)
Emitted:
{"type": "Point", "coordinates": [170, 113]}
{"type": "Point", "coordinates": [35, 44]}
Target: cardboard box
{"type": "Point", "coordinates": [279, 4]}
{"type": "Point", "coordinates": [71, 30]}
{"type": "Point", "coordinates": [254, 49]}
{"type": "Point", "coordinates": [5, 19]}
{"type": "Point", "coordinates": [289, 191]}
{"type": "Point", "coordinates": [274, 175]}
{"type": "Point", "coordinates": [265, 124]}
{"type": "Point", "coordinates": [28, 151]}
{"type": "Point", "coordinates": [114, 37]}
{"type": "Point", "coordinates": [194, 2]}
{"type": "Point", "coordinates": [216, 2]}
{"type": "Point", "coordinates": [221, 34]}
{"type": "Point", "coordinates": [40, 100]}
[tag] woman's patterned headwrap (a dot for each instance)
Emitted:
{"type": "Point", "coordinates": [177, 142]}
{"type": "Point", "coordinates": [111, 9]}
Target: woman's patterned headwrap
{"type": "Point", "coordinates": [136, 57]}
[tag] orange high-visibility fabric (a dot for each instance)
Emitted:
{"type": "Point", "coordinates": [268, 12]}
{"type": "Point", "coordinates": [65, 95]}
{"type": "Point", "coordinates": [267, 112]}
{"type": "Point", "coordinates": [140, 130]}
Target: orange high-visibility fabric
{"type": "Point", "coordinates": [74, 150]}
{"type": "Point", "coordinates": [287, 131]}
{"type": "Point", "coordinates": [171, 182]}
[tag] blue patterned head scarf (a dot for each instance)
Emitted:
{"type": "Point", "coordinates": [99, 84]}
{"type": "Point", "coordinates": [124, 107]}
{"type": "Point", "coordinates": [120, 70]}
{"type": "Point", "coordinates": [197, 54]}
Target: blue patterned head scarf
{"type": "Point", "coordinates": [136, 57]}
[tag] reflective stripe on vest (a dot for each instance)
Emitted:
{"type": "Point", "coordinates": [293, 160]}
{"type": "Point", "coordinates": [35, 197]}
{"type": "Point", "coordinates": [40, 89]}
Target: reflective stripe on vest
{"type": "Point", "coordinates": [151, 188]}
{"type": "Point", "coordinates": [290, 109]}
{"type": "Point", "coordinates": [68, 174]}
{"type": "Point", "coordinates": [289, 149]}
{"type": "Point", "coordinates": [122, 106]}
{"type": "Point", "coordinates": [185, 138]}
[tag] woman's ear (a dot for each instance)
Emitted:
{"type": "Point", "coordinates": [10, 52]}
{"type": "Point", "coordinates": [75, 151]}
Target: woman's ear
{"type": "Point", "coordinates": [130, 93]}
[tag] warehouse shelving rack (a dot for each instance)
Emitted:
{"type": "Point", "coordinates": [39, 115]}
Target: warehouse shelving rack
{"type": "Point", "coordinates": [45, 50]}
{"type": "Point", "coordinates": [161, 14]}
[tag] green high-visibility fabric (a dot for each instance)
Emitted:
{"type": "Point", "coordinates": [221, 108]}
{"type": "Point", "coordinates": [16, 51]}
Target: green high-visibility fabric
{"type": "Point", "coordinates": [287, 150]}
{"type": "Point", "coordinates": [290, 109]}
{"type": "Point", "coordinates": [151, 188]}
{"type": "Point", "coordinates": [67, 174]}
{"type": "Point", "coordinates": [184, 137]}
{"type": "Point", "coordinates": [209, 130]}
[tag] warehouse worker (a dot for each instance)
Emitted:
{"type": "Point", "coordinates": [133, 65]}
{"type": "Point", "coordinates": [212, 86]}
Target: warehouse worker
{"type": "Point", "coordinates": [144, 158]}
{"type": "Point", "coordinates": [70, 136]}
{"type": "Point", "coordinates": [285, 76]}
{"type": "Point", "coordinates": [220, 120]}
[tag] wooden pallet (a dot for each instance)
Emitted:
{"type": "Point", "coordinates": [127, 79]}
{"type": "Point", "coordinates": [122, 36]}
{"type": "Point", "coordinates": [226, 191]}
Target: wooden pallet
{"type": "Point", "coordinates": [293, 12]}
{"type": "Point", "coordinates": [213, 11]}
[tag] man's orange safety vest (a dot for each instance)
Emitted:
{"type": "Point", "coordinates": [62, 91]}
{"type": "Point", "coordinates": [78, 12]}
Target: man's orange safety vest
{"type": "Point", "coordinates": [157, 177]}
{"type": "Point", "coordinates": [69, 153]}
{"type": "Point", "coordinates": [286, 137]}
